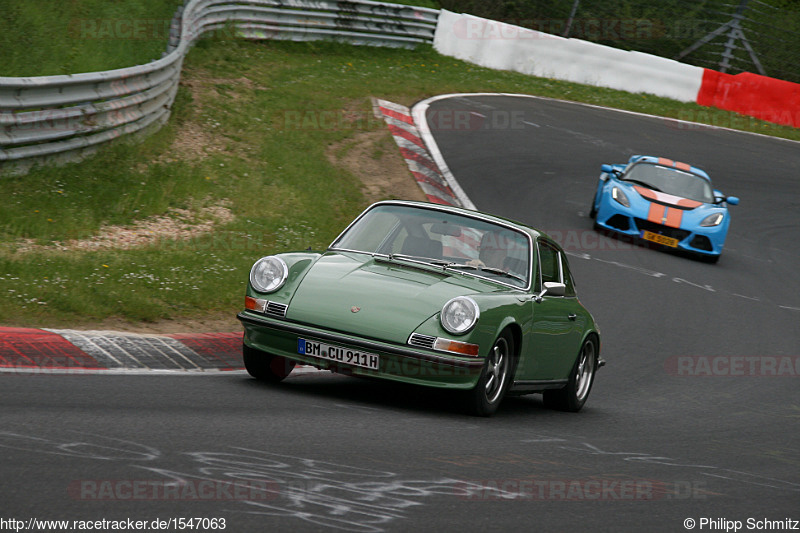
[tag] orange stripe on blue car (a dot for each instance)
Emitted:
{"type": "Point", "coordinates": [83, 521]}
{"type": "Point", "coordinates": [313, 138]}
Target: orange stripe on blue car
{"type": "Point", "coordinates": [656, 213]}
{"type": "Point", "coordinates": [673, 217]}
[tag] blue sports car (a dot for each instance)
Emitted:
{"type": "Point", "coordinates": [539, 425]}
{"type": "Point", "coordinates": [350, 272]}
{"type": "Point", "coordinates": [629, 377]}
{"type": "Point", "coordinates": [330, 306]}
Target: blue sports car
{"type": "Point", "coordinates": [663, 202]}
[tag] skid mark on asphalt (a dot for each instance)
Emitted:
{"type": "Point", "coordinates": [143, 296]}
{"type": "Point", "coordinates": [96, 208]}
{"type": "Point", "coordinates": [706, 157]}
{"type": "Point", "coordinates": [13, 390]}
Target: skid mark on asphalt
{"type": "Point", "coordinates": [295, 489]}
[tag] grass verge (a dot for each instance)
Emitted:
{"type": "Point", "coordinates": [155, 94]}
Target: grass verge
{"type": "Point", "coordinates": [261, 129]}
{"type": "Point", "coordinates": [52, 37]}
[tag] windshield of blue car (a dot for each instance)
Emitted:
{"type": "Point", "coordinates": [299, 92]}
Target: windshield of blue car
{"type": "Point", "coordinates": [470, 245]}
{"type": "Point", "coordinates": [671, 181]}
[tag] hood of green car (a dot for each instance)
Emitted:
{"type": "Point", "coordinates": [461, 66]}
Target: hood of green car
{"type": "Point", "coordinates": [354, 293]}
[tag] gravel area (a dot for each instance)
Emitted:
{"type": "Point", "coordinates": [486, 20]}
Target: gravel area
{"type": "Point", "coordinates": [177, 224]}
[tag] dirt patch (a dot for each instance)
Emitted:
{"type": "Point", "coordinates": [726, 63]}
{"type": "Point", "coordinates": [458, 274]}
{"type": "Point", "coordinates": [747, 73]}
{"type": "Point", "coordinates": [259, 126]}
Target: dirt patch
{"type": "Point", "coordinates": [205, 88]}
{"type": "Point", "coordinates": [178, 224]}
{"type": "Point", "coordinates": [197, 138]}
{"type": "Point", "coordinates": [193, 142]}
{"type": "Point", "coordinates": [374, 158]}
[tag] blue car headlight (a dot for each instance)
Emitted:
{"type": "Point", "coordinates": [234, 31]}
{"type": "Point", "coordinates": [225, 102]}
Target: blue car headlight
{"type": "Point", "coordinates": [268, 274]}
{"type": "Point", "coordinates": [620, 197]}
{"type": "Point", "coordinates": [459, 315]}
{"type": "Point", "coordinates": [714, 219]}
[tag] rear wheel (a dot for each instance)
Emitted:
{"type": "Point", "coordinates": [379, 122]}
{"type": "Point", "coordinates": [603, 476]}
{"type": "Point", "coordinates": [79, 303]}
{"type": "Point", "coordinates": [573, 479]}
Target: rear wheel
{"type": "Point", "coordinates": [266, 367]}
{"type": "Point", "coordinates": [574, 395]}
{"type": "Point", "coordinates": [495, 378]}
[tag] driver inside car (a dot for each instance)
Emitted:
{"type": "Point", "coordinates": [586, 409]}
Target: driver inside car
{"type": "Point", "coordinates": [491, 251]}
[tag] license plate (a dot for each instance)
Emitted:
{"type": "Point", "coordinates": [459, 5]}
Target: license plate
{"type": "Point", "coordinates": [660, 239]}
{"type": "Point", "coordinates": [338, 354]}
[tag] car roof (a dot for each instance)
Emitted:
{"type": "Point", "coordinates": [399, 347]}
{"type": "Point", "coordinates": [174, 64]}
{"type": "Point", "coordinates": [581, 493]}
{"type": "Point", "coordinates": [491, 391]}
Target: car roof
{"type": "Point", "coordinates": [670, 164]}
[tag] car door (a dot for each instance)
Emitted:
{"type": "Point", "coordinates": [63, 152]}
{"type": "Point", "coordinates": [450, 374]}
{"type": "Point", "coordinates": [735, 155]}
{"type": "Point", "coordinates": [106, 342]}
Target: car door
{"type": "Point", "coordinates": [555, 332]}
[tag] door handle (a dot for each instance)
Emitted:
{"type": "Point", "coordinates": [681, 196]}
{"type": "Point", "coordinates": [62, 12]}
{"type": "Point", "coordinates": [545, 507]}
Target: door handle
{"type": "Point", "coordinates": [572, 316]}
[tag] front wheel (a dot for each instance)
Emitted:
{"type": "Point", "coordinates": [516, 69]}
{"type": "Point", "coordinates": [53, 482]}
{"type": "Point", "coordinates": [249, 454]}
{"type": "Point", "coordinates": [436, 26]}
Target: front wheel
{"type": "Point", "coordinates": [266, 367]}
{"type": "Point", "coordinates": [484, 399]}
{"type": "Point", "coordinates": [707, 258]}
{"type": "Point", "coordinates": [574, 395]}
{"type": "Point", "coordinates": [593, 209]}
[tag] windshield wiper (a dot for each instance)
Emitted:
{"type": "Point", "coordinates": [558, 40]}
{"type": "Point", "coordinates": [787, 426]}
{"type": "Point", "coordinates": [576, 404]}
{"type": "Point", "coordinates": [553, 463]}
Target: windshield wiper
{"type": "Point", "coordinates": [491, 270]}
{"type": "Point", "coordinates": [392, 257]}
{"type": "Point", "coordinates": [501, 272]}
{"type": "Point", "coordinates": [463, 265]}
{"type": "Point", "coordinates": [415, 259]}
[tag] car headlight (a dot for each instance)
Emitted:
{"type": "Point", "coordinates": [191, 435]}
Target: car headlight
{"type": "Point", "coordinates": [268, 274]}
{"type": "Point", "coordinates": [714, 219]}
{"type": "Point", "coordinates": [459, 315]}
{"type": "Point", "coordinates": [619, 196]}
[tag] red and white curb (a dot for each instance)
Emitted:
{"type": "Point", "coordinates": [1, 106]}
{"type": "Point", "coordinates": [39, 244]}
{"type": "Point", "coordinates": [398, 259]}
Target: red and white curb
{"type": "Point", "coordinates": [67, 351]}
{"type": "Point", "coordinates": [27, 350]}
{"type": "Point", "coordinates": [437, 185]}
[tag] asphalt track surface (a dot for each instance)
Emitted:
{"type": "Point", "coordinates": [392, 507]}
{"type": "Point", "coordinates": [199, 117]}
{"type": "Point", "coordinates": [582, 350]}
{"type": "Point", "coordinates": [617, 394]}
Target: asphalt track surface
{"type": "Point", "coordinates": [656, 444]}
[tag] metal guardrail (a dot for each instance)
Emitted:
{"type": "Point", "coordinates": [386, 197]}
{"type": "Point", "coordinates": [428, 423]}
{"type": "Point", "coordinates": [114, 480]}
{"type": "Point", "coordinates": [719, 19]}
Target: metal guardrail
{"type": "Point", "coordinates": [52, 119]}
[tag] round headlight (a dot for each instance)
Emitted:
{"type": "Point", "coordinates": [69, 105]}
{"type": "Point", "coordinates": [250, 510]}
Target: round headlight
{"type": "Point", "coordinates": [459, 315]}
{"type": "Point", "coordinates": [268, 274]}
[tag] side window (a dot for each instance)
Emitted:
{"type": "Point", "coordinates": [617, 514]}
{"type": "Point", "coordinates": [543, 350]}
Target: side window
{"type": "Point", "coordinates": [549, 264]}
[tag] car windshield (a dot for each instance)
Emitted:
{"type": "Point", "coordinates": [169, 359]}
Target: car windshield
{"type": "Point", "coordinates": [474, 246]}
{"type": "Point", "coordinates": [671, 181]}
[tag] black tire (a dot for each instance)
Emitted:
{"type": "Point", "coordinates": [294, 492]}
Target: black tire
{"type": "Point", "coordinates": [574, 395]}
{"type": "Point", "coordinates": [266, 367]}
{"type": "Point", "coordinates": [496, 376]}
{"type": "Point", "coordinates": [593, 211]}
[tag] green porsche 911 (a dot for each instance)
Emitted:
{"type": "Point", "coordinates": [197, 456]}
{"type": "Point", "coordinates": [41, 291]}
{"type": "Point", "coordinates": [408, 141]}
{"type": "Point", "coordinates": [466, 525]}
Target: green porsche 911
{"type": "Point", "coordinates": [430, 295]}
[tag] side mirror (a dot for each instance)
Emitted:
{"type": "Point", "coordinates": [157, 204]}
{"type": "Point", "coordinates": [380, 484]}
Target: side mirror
{"type": "Point", "coordinates": [608, 169]}
{"type": "Point", "coordinates": [732, 200]}
{"type": "Point", "coordinates": [551, 288]}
